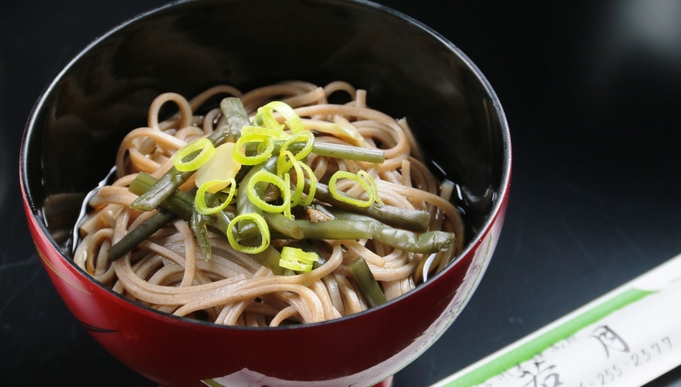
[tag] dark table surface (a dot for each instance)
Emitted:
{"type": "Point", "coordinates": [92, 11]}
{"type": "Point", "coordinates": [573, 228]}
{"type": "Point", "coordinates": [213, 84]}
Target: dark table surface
{"type": "Point", "coordinates": [591, 91]}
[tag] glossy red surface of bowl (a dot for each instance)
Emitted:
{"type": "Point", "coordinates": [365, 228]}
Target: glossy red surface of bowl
{"type": "Point", "coordinates": [185, 47]}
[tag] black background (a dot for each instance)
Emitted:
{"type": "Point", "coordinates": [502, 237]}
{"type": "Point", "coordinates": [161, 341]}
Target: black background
{"type": "Point", "coordinates": [591, 91]}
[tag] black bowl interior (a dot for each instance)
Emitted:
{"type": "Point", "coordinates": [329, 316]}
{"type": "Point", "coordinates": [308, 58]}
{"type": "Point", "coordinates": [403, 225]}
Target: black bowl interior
{"type": "Point", "coordinates": [408, 71]}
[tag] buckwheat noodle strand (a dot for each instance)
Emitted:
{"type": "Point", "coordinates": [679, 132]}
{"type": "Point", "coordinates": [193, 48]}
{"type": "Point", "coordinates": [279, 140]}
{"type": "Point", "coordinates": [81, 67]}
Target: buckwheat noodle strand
{"type": "Point", "coordinates": [167, 272]}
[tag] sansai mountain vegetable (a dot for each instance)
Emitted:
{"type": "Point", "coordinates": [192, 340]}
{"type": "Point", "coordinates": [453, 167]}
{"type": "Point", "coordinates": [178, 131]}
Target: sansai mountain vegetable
{"type": "Point", "coordinates": [260, 206]}
{"type": "Point", "coordinates": [259, 213]}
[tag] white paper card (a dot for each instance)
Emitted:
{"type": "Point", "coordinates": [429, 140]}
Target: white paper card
{"type": "Point", "coordinates": [625, 338]}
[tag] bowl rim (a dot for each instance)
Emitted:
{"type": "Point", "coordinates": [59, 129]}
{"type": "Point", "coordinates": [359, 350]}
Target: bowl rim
{"type": "Point", "coordinates": [496, 210]}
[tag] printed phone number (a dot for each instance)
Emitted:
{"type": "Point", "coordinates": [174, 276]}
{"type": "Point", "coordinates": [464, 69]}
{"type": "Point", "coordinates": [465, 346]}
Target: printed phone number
{"type": "Point", "coordinates": [636, 359]}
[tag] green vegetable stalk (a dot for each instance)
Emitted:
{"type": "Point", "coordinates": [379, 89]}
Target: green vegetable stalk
{"type": "Point", "coordinates": [366, 283]}
{"type": "Point", "coordinates": [403, 218]}
{"type": "Point", "coordinates": [236, 116]}
{"type": "Point", "coordinates": [345, 152]}
{"type": "Point", "coordinates": [139, 234]}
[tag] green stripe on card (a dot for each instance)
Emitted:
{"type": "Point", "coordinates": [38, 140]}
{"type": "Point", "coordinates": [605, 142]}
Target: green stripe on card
{"type": "Point", "coordinates": [542, 342]}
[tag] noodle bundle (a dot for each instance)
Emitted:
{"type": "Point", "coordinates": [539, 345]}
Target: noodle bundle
{"type": "Point", "coordinates": [226, 283]}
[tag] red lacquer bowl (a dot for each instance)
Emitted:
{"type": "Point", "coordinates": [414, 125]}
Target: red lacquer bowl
{"type": "Point", "coordinates": [408, 70]}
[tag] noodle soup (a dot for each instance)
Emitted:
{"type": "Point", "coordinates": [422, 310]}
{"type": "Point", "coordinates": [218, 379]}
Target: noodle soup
{"type": "Point", "coordinates": [74, 135]}
{"type": "Point", "coordinates": [388, 227]}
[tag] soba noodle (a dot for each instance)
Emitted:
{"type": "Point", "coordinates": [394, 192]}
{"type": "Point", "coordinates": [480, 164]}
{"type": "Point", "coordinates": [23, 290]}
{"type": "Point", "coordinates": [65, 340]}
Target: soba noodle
{"type": "Point", "coordinates": [168, 271]}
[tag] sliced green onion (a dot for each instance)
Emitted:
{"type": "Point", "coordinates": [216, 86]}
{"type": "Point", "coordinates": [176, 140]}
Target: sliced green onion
{"type": "Point", "coordinates": [265, 118]}
{"type": "Point", "coordinates": [291, 119]}
{"type": "Point", "coordinates": [264, 233]}
{"type": "Point", "coordinates": [248, 230]}
{"type": "Point", "coordinates": [266, 177]}
{"type": "Point", "coordinates": [287, 183]}
{"type": "Point", "coordinates": [300, 169]}
{"type": "Point", "coordinates": [296, 259]}
{"type": "Point", "coordinates": [295, 266]}
{"type": "Point", "coordinates": [300, 178]}
{"type": "Point", "coordinates": [205, 149]}
{"type": "Point", "coordinates": [261, 154]}
{"type": "Point", "coordinates": [200, 199]}
{"type": "Point", "coordinates": [340, 196]}
{"type": "Point", "coordinates": [305, 137]}
{"type": "Point", "coordinates": [312, 188]}
{"type": "Point", "coordinates": [374, 188]}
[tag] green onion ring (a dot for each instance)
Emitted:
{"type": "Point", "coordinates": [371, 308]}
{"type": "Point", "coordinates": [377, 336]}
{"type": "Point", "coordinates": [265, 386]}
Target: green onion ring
{"type": "Point", "coordinates": [265, 118]}
{"type": "Point", "coordinates": [267, 177]}
{"type": "Point", "coordinates": [295, 266]}
{"type": "Point", "coordinates": [200, 198]}
{"type": "Point", "coordinates": [313, 184]}
{"type": "Point", "coordinates": [291, 119]}
{"type": "Point", "coordinates": [262, 154]}
{"type": "Point", "coordinates": [374, 188]}
{"type": "Point", "coordinates": [300, 178]}
{"type": "Point", "coordinates": [348, 199]}
{"type": "Point", "coordinates": [297, 259]}
{"type": "Point", "coordinates": [262, 226]}
{"type": "Point", "coordinates": [306, 136]}
{"type": "Point", "coordinates": [205, 149]}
